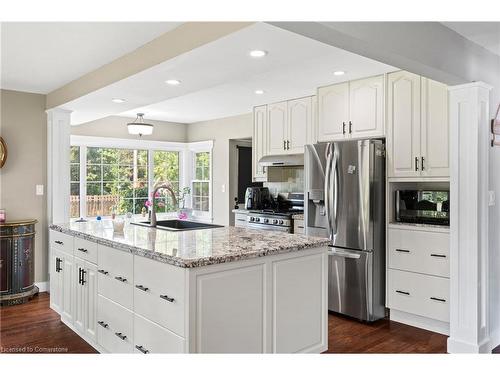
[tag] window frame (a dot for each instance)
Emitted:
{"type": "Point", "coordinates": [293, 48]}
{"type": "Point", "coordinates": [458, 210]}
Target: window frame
{"type": "Point", "coordinates": [194, 148]}
{"type": "Point", "coordinates": [186, 151]}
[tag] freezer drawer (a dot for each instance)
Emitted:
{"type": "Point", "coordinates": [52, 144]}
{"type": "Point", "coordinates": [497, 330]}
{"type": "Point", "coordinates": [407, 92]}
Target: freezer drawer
{"type": "Point", "coordinates": [350, 283]}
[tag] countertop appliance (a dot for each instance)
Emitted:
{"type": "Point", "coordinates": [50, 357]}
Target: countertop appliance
{"type": "Point", "coordinates": [423, 206]}
{"type": "Point", "coordinates": [345, 201]}
{"type": "Point", "coordinates": [258, 198]}
{"type": "Point", "coordinates": [280, 216]}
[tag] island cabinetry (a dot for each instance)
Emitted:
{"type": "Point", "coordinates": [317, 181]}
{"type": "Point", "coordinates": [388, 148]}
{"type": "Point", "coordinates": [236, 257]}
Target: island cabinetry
{"type": "Point", "coordinates": [159, 293]}
{"type": "Point", "coordinates": [115, 275]}
{"type": "Point", "coordinates": [150, 337]}
{"type": "Point", "coordinates": [115, 326]}
{"type": "Point", "coordinates": [85, 287]}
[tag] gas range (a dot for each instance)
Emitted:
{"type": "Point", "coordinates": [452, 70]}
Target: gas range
{"type": "Point", "coordinates": [272, 220]}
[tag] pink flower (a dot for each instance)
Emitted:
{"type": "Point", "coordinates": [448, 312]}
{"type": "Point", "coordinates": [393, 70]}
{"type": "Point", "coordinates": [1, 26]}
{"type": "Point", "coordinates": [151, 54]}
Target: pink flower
{"type": "Point", "coordinates": [157, 195]}
{"type": "Point", "coordinates": [147, 203]}
{"type": "Point", "coordinates": [161, 204]}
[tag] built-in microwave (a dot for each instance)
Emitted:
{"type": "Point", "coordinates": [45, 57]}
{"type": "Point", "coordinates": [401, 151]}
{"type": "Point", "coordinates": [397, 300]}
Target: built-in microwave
{"type": "Point", "coordinates": [423, 206]}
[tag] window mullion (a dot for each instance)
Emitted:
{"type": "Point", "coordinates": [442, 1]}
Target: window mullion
{"type": "Point", "coordinates": [83, 181]}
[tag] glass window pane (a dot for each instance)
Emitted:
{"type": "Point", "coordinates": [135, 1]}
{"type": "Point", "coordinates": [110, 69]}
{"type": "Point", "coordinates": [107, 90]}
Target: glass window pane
{"type": "Point", "coordinates": [93, 155]}
{"type": "Point", "coordinates": [126, 157]}
{"type": "Point", "coordinates": [109, 172]}
{"type": "Point", "coordinates": [110, 155]}
{"type": "Point", "coordinates": [74, 156]}
{"type": "Point", "coordinates": [74, 200]}
{"type": "Point", "coordinates": [75, 172]}
{"type": "Point", "coordinates": [93, 205]}
{"type": "Point", "coordinates": [93, 189]}
{"type": "Point", "coordinates": [142, 157]}
{"type": "Point", "coordinates": [94, 173]}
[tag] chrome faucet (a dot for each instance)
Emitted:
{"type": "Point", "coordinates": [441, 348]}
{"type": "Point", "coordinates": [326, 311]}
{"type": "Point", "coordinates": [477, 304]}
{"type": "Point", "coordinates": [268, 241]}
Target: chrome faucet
{"type": "Point", "coordinates": [158, 186]}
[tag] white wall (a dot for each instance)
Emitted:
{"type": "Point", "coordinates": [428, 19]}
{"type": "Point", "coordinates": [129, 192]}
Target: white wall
{"type": "Point", "coordinates": [116, 127]}
{"type": "Point", "coordinates": [221, 131]}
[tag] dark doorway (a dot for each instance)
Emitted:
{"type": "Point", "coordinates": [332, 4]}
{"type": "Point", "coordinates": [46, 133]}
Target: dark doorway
{"type": "Point", "coordinates": [245, 171]}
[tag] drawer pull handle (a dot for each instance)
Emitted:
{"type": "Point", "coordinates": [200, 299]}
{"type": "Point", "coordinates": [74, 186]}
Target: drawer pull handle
{"type": "Point", "coordinates": [402, 292]}
{"type": "Point", "coordinates": [169, 299]}
{"type": "Point", "coordinates": [102, 324]}
{"type": "Point", "coordinates": [438, 255]}
{"type": "Point", "coordinates": [59, 242]}
{"type": "Point", "coordinates": [82, 250]}
{"type": "Point", "coordinates": [103, 272]}
{"type": "Point", "coordinates": [119, 278]}
{"type": "Point", "coordinates": [402, 251]}
{"type": "Point", "coordinates": [120, 335]}
{"type": "Point", "coordinates": [438, 299]}
{"type": "Point", "coordinates": [142, 287]}
{"type": "Point", "coordinates": [141, 349]}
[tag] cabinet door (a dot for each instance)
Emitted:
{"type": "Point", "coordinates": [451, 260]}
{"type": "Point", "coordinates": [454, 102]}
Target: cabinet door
{"type": "Point", "coordinates": [67, 286]}
{"type": "Point", "coordinates": [299, 121]}
{"type": "Point", "coordinates": [333, 111]}
{"type": "Point", "coordinates": [90, 282]}
{"type": "Point", "coordinates": [403, 118]}
{"type": "Point", "coordinates": [55, 281]}
{"type": "Point", "coordinates": [366, 107]}
{"type": "Point", "coordinates": [312, 130]}
{"type": "Point", "coordinates": [435, 159]}
{"type": "Point", "coordinates": [277, 128]}
{"type": "Point", "coordinates": [79, 290]}
{"type": "Point", "coordinates": [259, 141]}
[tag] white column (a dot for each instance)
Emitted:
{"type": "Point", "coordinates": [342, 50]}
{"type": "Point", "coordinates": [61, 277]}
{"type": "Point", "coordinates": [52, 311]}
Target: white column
{"type": "Point", "coordinates": [468, 110]}
{"type": "Point", "coordinates": [58, 169]}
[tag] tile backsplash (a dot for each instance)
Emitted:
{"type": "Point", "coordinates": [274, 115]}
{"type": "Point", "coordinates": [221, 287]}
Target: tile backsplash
{"type": "Point", "coordinates": [285, 180]}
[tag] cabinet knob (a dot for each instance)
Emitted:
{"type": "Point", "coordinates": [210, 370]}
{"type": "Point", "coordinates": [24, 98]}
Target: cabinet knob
{"type": "Point", "coordinates": [350, 127]}
{"type": "Point", "coordinates": [122, 279]}
{"type": "Point", "coordinates": [120, 335]}
{"type": "Point", "coordinates": [103, 272]}
{"type": "Point", "coordinates": [288, 145]}
{"type": "Point", "coordinates": [416, 163]}
{"type": "Point", "coordinates": [142, 349]}
{"type": "Point", "coordinates": [284, 145]}
{"type": "Point", "coordinates": [438, 299]}
{"type": "Point", "coordinates": [59, 242]}
{"type": "Point", "coordinates": [343, 127]}
{"type": "Point", "coordinates": [402, 251]}
{"type": "Point", "coordinates": [422, 164]}
{"type": "Point", "coordinates": [403, 292]}
{"type": "Point", "coordinates": [101, 323]}
{"type": "Point", "coordinates": [165, 297]}
{"type": "Point", "coordinates": [438, 255]}
{"type": "Point", "coordinates": [82, 250]}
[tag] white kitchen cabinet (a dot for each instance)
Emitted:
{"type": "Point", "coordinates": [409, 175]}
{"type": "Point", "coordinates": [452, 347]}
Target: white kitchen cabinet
{"type": "Point", "coordinates": [115, 326]}
{"type": "Point", "coordinates": [66, 289]}
{"type": "Point", "coordinates": [240, 220]}
{"type": "Point", "coordinates": [259, 142]}
{"type": "Point", "coordinates": [55, 281]}
{"type": "Point", "coordinates": [300, 120]}
{"type": "Point", "coordinates": [418, 131]}
{"type": "Point", "coordinates": [277, 128]}
{"type": "Point", "coordinates": [366, 108]}
{"type": "Point", "coordinates": [351, 110]}
{"type": "Point", "coordinates": [312, 130]}
{"type": "Point", "coordinates": [435, 132]}
{"type": "Point", "coordinates": [85, 284]}
{"type": "Point", "coordinates": [149, 337]}
{"type": "Point", "coordinates": [333, 112]}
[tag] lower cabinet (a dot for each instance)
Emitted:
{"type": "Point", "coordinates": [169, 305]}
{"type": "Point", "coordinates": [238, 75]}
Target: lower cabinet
{"type": "Point", "coordinates": [85, 282]}
{"type": "Point", "coordinates": [150, 337]}
{"type": "Point", "coordinates": [61, 284]}
{"type": "Point", "coordinates": [115, 326]}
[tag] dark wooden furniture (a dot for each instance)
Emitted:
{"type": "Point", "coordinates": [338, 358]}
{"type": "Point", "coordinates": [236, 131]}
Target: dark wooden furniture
{"type": "Point", "coordinates": [17, 262]}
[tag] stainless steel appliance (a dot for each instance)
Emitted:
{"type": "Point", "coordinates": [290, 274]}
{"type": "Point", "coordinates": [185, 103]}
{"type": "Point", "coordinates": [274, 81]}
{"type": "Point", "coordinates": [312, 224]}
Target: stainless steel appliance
{"type": "Point", "coordinates": [345, 201]}
{"type": "Point", "coordinates": [423, 206]}
{"type": "Point", "coordinates": [258, 198]}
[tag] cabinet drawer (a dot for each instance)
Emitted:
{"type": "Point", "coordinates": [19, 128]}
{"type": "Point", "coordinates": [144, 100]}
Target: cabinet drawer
{"type": "Point", "coordinates": [86, 250]}
{"type": "Point", "coordinates": [114, 326]}
{"type": "Point", "coordinates": [419, 294]}
{"type": "Point", "coordinates": [298, 226]}
{"type": "Point", "coordinates": [61, 241]}
{"type": "Point", "coordinates": [159, 293]}
{"type": "Point", "coordinates": [418, 251]}
{"type": "Point", "coordinates": [115, 275]}
{"type": "Point", "coordinates": [149, 337]}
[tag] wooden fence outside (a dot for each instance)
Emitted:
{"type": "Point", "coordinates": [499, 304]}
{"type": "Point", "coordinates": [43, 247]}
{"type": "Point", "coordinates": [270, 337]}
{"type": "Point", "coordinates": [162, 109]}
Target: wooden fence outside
{"type": "Point", "coordinates": [96, 205]}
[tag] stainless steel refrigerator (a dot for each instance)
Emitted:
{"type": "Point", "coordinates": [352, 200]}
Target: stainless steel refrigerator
{"type": "Point", "coordinates": [345, 201]}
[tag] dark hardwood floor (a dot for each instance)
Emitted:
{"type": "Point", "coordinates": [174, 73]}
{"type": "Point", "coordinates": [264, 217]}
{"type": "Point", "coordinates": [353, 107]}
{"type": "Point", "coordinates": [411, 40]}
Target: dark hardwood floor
{"type": "Point", "coordinates": [35, 328]}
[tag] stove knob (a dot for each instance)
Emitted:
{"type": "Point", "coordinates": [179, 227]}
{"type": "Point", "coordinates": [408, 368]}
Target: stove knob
{"type": "Point", "coordinates": [257, 219]}
{"type": "Point", "coordinates": [252, 218]}
{"type": "Point", "coordinates": [266, 221]}
{"type": "Point", "coordinates": [275, 221]}
{"type": "Point", "coordinates": [281, 222]}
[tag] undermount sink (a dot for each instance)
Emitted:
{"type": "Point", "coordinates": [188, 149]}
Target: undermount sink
{"type": "Point", "coordinates": [178, 225]}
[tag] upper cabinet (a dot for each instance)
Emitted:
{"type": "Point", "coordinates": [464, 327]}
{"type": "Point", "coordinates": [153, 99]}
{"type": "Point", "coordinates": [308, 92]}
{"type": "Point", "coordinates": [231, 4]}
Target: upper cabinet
{"type": "Point", "coordinates": [277, 128]}
{"type": "Point", "coordinates": [418, 131]}
{"type": "Point", "coordinates": [351, 110]}
{"type": "Point", "coordinates": [259, 142]}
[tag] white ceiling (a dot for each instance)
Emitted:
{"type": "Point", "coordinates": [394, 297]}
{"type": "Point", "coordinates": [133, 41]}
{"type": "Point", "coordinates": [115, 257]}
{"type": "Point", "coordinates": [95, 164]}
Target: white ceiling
{"type": "Point", "coordinates": [43, 56]}
{"type": "Point", "coordinates": [219, 79]}
{"type": "Point", "coordinates": [486, 34]}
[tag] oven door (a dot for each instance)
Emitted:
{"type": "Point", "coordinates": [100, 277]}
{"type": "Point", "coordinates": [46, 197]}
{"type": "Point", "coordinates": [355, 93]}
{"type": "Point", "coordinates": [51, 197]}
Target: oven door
{"type": "Point", "coordinates": [275, 228]}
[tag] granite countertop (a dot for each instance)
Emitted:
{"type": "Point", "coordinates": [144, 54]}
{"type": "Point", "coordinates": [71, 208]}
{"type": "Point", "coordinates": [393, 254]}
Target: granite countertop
{"type": "Point", "coordinates": [240, 211]}
{"type": "Point", "coordinates": [195, 248]}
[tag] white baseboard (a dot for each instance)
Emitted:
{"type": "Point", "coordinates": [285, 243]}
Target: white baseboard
{"type": "Point", "coordinates": [43, 286]}
{"type": "Point", "coordinates": [461, 347]}
{"type": "Point", "coordinates": [494, 339]}
{"type": "Point", "coordinates": [420, 322]}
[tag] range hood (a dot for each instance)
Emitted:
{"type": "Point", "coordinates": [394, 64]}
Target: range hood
{"type": "Point", "coordinates": [282, 160]}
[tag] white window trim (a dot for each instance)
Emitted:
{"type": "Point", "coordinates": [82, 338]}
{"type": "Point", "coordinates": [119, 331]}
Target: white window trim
{"type": "Point", "coordinates": [196, 147]}
{"type": "Point", "coordinates": [186, 154]}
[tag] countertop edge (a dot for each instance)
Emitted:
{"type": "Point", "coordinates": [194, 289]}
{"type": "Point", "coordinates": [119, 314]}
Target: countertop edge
{"type": "Point", "coordinates": [207, 261]}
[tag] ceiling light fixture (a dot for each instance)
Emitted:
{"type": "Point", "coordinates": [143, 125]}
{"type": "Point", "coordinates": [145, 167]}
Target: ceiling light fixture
{"type": "Point", "coordinates": [118, 100]}
{"type": "Point", "coordinates": [139, 127]}
{"type": "Point", "coordinates": [339, 73]}
{"type": "Point", "coordinates": [258, 53]}
{"type": "Point", "coordinates": [173, 82]}
{"type": "Point", "coordinates": [259, 92]}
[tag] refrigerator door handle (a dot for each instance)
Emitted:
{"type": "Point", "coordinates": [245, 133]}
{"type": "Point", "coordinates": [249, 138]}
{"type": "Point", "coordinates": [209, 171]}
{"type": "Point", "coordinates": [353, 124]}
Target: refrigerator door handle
{"type": "Point", "coordinates": [328, 168]}
{"type": "Point", "coordinates": [344, 254]}
{"type": "Point", "coordinates": [336, 187]}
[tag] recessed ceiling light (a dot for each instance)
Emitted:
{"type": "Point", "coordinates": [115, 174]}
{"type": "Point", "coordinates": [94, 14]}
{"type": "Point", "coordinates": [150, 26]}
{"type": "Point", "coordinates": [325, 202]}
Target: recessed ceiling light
{"type": "Point", "coordinates": [339, 73]}
{"type": "Point", "coordinates": [118, 100]}
{"type": "Point", "coordinates": [259, 92]}
{"type": "Point", "coordinates": [258, 53]}
{"type": "Point", "coordinates": [173, 82]}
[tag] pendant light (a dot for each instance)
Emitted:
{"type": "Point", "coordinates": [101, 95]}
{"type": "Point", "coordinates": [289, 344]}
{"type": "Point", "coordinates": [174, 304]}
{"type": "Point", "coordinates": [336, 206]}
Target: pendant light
{"type": "Point", "coordinates": [139, 127]}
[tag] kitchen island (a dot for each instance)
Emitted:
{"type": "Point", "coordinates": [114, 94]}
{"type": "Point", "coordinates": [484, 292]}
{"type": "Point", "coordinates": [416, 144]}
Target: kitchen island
{"type": "Point", "coordinates": [219, 290]}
